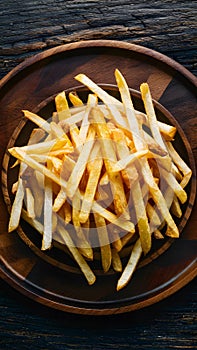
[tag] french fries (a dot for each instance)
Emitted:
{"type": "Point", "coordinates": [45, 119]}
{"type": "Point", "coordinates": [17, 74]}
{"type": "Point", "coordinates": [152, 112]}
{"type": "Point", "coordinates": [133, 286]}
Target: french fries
{"type": "Point", "coordinates": [101, 178]}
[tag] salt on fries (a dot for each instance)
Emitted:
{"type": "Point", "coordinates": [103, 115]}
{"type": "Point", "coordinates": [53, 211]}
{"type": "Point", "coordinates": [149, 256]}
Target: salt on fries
{"type": "Point", "coordinates": [100, 166]}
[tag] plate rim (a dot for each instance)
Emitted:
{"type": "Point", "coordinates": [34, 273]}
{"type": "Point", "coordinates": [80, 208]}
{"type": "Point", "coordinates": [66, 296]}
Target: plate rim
{"type": "Point", "coordinates": [99, 43]}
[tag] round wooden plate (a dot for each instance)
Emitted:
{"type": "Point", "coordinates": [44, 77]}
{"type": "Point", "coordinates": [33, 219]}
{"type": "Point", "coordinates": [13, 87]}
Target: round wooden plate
{"type": "Point", "coordinates": [45, 75]}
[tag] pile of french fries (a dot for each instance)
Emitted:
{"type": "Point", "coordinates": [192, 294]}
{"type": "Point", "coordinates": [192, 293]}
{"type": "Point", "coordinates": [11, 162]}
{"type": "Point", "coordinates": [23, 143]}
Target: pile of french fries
{"type": "Point", "coordinates": [101, 178]}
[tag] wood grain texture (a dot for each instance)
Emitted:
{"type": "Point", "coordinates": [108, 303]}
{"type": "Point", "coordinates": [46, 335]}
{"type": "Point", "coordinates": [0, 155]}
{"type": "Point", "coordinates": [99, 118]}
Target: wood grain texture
{"type": "Point", "coordinates": [30, 27]}
{"type": "Point", "coordinates": [170, 324]}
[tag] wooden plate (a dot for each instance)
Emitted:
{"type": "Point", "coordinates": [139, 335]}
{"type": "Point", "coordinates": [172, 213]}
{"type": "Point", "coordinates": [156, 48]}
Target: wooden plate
{"type": "Point", "coordinates": [45, 75]}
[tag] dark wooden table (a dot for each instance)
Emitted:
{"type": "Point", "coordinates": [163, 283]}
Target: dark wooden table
{"type": "Point", "coordinates": [29, 27]}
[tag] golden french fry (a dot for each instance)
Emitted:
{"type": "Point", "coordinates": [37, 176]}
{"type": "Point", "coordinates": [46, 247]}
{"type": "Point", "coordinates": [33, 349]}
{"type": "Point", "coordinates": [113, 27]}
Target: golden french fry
{"type": "Point", "coordinates": [74, 98]}
{"type": "Point", "coordinates": [157, 234]}
{"type": "Point", "coordinates": [62, 106]}
{"type": "Point", "coordinates": [175, 208]}
{"type": "Point", "coordinates": [116, 261]}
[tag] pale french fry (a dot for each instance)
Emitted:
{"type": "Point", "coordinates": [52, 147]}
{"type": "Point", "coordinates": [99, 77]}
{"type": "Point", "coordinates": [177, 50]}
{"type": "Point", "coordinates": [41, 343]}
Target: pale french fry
{"type": "Point", "coordinates": [124, 162]}
{"type": "Point", "coordinates": [83, 244]}
{"type": "Point", "coordinates": [183, 167]}
{"type": "Point", "coordinates": [131, 265]}
{"type": "Point", "coordinates": [137, 134]}
{"type": "Point", "coordinates": [92, 102]}
{"type": "Point", "coordinates": [116, 261]}
{"type": "Point", "coordinates": [30, 203]}
{"type": "Point", "coordinates": [115, 237]}
{"type": "Point", "coordinates": [47, 147]}
{"type": "Point", "coordinates": [74, 119]}
{"type": "Point", "coordinates": [104, 242]}
{"type": "Point", "coordinates": [17, 204]}
{"type": "Point", "coordinates": [42, 123]}
{"type": "Point", "coordinates": [48, 203]}
{"type": "Point", "coordinates": [150, 111]}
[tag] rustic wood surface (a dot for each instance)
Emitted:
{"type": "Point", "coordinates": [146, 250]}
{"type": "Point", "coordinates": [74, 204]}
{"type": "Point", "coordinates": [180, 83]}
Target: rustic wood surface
{"type": "Point", "coordinates": [30, 27]}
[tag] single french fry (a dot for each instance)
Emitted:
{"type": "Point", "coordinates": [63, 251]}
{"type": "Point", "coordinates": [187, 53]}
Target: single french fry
{"type": "Point", "coordinates": [18, 203]}
{"type": "Point", "coordinates": [158, 235]}
{"type": "Point", "coordinates": [129, 159]}
{"type": "Point", "coordinates": [82, 242]}
{"type": "Point", "coordinates": [67, 212]}
{"type": "Point", "coordinates": [116, 261]}
{"type": "Point", "coordinates": [175, 208]}
{"type": "Point", "coordinates": [42, 123]}
{"type": "Point", "coordinates": [94, 168]}
{"type": "Point", "coordinates": [104, 242]}
{"type": "Point", "coordinates": [48, 202]}
{"type": "Point", "coordinates": [137, 134]}
{"type": "Point", "coordinates": [131, 265]}
{"type": "Point", "coordinates": [30, 203]}
{"type": "Point", "coordinates": [115, 237]}
{"type": "Point", "coordinates": [74, 99]}
{"type": "Point", "coordinates": [92, 102]}
{"type": "Point", "coordinates": [60, 199]}
{"type": "Point", "coordinates": [62, 106]}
